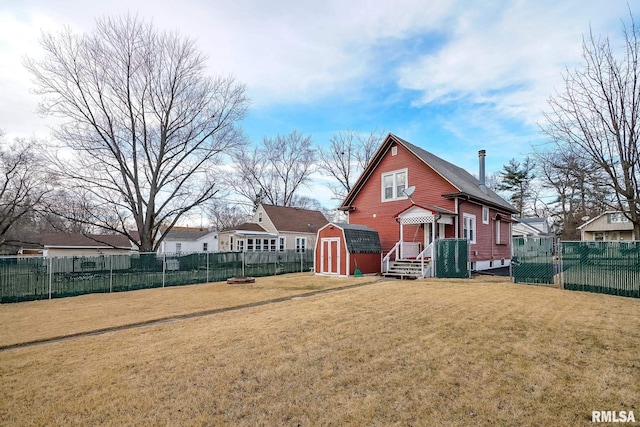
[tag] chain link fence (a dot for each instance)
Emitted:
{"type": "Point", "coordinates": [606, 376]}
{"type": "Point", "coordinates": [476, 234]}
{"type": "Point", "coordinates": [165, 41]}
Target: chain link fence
{"type": "Point", "coordinates": [602, 267]}
{"type": "Point", "coordinates": [34, 278]}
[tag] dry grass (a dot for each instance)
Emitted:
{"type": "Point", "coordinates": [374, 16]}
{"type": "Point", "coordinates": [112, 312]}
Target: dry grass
{"type": "Point", "coordinates": [392, 353]}
{"type": "Point", "coordinates": [41, 320]}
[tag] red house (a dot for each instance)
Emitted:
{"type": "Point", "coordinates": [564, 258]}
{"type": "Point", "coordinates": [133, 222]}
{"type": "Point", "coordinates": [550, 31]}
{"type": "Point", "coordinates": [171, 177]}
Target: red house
{"type": "Point", "coordinates": [412, 197]}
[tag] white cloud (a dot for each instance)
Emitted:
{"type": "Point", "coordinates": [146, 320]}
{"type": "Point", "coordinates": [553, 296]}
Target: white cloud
{"type": "Point", "coordinates": [508, 54]}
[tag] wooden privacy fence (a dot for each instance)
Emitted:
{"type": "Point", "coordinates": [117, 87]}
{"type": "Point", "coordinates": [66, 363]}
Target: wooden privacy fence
{"type": "Point", "coordinates": [34, 278]}
{"type": "Point", "coordinates": [602, 267]}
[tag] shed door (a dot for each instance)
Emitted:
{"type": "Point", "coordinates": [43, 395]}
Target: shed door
{"type": "Point", "coordinates": [330, 256]}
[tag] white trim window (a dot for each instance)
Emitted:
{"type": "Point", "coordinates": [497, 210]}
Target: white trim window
{"type": "Point", "coordinates": [282, 243]}
{"type": "Point", "coordinates": [485, 215]}
{"type": "Point", "coordinates": [301, 244]}
{"type": "Point", "coordinates": [394, 184]}
{"type": "Point", "coordinates": [469, 227]}
{"type": "Point", "coordinates": [498, 240]}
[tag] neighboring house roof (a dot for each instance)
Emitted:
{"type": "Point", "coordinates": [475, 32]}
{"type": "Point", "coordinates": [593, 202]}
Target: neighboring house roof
{"type": "Point", "coordinates": [186, 234]}
{"type": "Point", "coordinates": [527, 226]}
{"type": "Point", "coordinates": [627, 225]}
{"type": "Point", "coordinates": [360, 239]}
{"type": "Point", "coordinates": [293, 219]}
{"type": "Point", "coordinates": [466, 184]}
{"type": "Point", "coordinates": [77, 240]}
{"type": "Point", "coordinates": [250, 226]}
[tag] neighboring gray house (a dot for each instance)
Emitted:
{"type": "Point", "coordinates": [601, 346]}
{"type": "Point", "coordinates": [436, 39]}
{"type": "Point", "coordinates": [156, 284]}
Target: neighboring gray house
{"type": "Point", "coordinates": [530, 227]}
{"type": "Point", "coordinates": [189, 239]}
{"type": "Point", "coordinates": [610, 226]}
{"type": "Point", "coordinates": [274, 229]}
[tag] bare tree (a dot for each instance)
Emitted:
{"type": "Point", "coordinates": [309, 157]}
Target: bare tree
{"type": "Point", "coordinates": [23, 185]}
{"type": "Point", "coordinates": [144, 125]}
{"type": "Point", "coordinates": [347, 155]}
{"type": "Point", "coordinates": [598, 115]}
{"type": "Point", "coordinates": [225, 215]}
{"type": "Point", "coordinates": [578, 187]}
{"type": "Point", "coordinates": [276, 171]}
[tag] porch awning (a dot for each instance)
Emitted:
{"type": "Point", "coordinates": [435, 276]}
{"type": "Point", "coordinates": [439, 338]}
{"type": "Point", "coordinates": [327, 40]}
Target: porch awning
{"type": "Point", "coordinates": [416, 214]}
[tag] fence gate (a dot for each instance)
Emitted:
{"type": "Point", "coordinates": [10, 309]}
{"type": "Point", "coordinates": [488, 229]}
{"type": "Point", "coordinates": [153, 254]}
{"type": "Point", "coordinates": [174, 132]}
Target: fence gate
{"type": "Point", "coordinates": [452, 258]}
{"type": "Point", "coordinates": [532, 260]}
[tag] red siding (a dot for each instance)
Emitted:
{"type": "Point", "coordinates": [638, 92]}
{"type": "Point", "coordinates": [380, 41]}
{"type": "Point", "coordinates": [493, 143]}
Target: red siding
{"type": "Point", "coordinates": [486, 248]}
{"type": "Point", "coordinates": [367, 263]}
{"type": "Point", "coordinates": [371, 211]}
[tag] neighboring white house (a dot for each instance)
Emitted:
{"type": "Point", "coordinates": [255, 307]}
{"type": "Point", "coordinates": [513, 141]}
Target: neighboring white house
{"type": "Point", "coordinates": [189, 239]}
{"type": "Point", "coordinates": [610, 226]}
{"type": "Point", "coordinates": [274, 229]}
{"type": "Point", "coordinates": [530, 227]}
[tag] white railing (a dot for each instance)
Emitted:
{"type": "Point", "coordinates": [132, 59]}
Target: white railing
{"type": "Point", "coordinates": [426, 253]}
{"type": "Point", "coordinates": [387, 257]}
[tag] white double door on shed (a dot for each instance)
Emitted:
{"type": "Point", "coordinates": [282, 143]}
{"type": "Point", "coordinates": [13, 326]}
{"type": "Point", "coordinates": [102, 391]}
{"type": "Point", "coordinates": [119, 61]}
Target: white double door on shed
{"type": "Point", "coordinates": [330, 255]}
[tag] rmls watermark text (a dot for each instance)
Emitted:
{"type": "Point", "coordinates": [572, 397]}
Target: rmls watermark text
{"type": "Point", "coordinates": [612, 417]}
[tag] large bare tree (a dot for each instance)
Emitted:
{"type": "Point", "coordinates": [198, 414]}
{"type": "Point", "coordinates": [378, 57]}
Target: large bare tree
{"type": "Point", "coordinates": [23, 185]}
{"type": "Point", "coordinates": [347, 155]}
{"type": "Point", "coordinates": [598, 115]}
{"type": "Point", "coordinates": [276, 171]}
{"type": "Point", "coordinates": [142, 124]}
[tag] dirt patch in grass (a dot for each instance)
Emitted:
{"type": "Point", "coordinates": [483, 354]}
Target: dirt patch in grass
{"type": "Point", "coordinates": [457, 352]}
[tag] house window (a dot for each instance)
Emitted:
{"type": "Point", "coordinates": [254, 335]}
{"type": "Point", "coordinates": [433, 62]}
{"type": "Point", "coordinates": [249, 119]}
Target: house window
{"type": "Point", "coordinates": [259, 216]}
{"type": "Point", "coordinates": [617, 217]}
{"type": "Point", "coordinates": [598, 236]}
{"type": "Point", "coordinates": [178, 248]}
{"type": "Point", "coordinates": [281, 244]}
{"type": "Point", "coordinates": [258, 245]}
{"type": "Point", "coordinates": [301, 244]}
{"type": "Point", "coordinates": [393, 185]}
{"type": "Point", "coordinates": [240, 245]}
{"type": "Point", "coordinates": [205, 247]}
{"type": "Point", "coordinates": [485, 215]}
{"type": "Point", "coordinates": [469, 227]}
{"type": "Point", "coordinates": [250, 245]}
{"type": "Point", "coordinates": [394, 150]}
{"type": "Point", "coordinates": [231, 243]}
{"type": "Point", "coordinates": [498, 242]}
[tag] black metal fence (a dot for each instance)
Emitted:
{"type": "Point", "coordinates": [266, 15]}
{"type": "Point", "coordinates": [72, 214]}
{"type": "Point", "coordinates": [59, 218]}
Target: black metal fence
{"type": "Point", "coordinates": [34, 278]}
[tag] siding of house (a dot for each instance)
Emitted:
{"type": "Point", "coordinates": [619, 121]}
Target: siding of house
{"type": "Point", "coordinates": [486, 248]}
{"type": "Point", "coordinates": [372, 212]}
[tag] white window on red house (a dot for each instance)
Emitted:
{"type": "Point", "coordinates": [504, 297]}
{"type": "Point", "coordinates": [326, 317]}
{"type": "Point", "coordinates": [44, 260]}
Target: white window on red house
{"type": "Point", "coordinates": [393, 185]}
{"type": "Point", "coordinates": [498, 240]}
{"type": "Point", "coordinates": [469, 227]}
{"type": "Point", "coordinates": [485, 215]}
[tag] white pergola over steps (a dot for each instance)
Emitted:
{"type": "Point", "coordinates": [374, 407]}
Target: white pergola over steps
{"type": "Point", "coordinates": [422, 215]}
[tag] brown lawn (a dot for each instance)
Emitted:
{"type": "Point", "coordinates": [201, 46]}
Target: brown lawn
{"type": "Point", "coordinates": [439, 352]}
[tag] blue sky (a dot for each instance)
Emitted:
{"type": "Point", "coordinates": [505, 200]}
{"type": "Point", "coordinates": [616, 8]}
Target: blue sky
{"type": "Point", "coordinates": [450, 76]}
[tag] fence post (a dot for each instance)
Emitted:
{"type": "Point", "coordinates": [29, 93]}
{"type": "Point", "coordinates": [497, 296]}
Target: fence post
{"type": "Point", "coordinates": [50, 274]}
{"type": "Point", "coordinates": [164, 266]}
{"type": "Point", "coordinates": [111, 273]}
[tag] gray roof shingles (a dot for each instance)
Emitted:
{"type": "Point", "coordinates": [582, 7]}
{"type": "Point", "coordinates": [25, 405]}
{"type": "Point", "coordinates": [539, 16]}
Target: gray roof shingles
{"type": "Point", "coordinates": [360, 239]}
